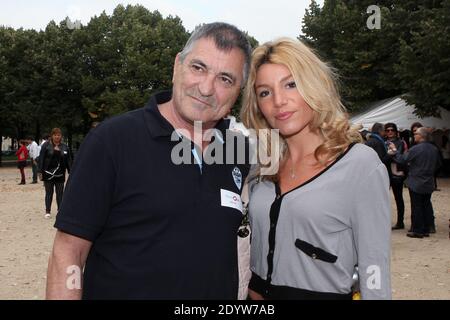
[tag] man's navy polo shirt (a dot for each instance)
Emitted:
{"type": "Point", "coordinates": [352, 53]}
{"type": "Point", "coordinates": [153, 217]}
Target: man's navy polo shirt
{"type": "Point", "coordinates": [158, 229]}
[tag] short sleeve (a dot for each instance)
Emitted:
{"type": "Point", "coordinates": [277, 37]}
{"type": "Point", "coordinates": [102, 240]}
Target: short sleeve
{"type": "Point", "coordinates": [371, 225]}
{"type": "Point", "coordinates": [89, 191]}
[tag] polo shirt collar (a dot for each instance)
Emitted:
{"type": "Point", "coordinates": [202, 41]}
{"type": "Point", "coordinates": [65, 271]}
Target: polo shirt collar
{"type": "Point", "coordinates": [158, 126]}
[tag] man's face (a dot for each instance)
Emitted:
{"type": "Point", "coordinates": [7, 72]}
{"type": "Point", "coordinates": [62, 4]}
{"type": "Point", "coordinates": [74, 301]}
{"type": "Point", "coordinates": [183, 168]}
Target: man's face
{"type": "Point", "coordinates": [207, 83]}
{"type": "Point", "coordinates": [417, 137]}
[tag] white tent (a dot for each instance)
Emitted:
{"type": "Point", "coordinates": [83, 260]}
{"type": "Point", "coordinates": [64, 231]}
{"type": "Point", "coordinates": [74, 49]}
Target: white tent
{"type": "Point", "coordinates": [397, 110]}
{"type": "Point", "coordinates": [6, 144]}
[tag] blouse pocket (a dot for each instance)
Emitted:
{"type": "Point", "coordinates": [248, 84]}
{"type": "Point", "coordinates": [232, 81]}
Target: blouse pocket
{"type": "Point", "coordinates": [315, 252]}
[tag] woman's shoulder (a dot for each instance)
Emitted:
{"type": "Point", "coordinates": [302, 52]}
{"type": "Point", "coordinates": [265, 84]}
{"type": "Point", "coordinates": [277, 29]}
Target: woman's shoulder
{"type": "Point", "coordinates": [363, 155]}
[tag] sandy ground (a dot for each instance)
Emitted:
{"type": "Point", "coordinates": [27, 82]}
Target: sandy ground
{"type": "Point", "coordinates": [420, 267]}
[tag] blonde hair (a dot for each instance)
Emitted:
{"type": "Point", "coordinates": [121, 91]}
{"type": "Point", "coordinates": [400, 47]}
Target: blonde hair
{"type": "Point", "coordinates": [316, 83]}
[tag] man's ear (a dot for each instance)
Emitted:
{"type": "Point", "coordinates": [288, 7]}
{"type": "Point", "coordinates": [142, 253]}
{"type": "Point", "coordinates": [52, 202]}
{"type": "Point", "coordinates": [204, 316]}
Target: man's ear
{"type": "Point", "coordinates": [176, 66]}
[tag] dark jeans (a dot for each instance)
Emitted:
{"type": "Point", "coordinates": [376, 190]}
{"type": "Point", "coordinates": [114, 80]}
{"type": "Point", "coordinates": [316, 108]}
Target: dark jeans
{"type": "Point", "coordinates": [397, 189]}
{"type": "Point", "coordinates": [446, 168]}
{"type": "Point", "coordinates": [59, 188]}
{"type": "Point", "coordinates": [422, 215]}
{"type": "Point", "coordinates": [34, 168]}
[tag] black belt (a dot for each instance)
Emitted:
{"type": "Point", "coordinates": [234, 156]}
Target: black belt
{"type": "Point", "coordinates": [273, 292]}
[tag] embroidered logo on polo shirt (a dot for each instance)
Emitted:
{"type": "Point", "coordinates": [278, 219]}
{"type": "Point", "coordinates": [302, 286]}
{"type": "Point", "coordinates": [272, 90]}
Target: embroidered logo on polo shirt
{"type": "Point", "coordinates": [237, 177]}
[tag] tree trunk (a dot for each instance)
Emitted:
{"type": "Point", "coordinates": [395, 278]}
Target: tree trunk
{"type": "Point", "coordinates": [37, 132]}
{"type": "Point", "coordinates": [20, 131]}
{"type": "Point", "coordinates": [69, 137]}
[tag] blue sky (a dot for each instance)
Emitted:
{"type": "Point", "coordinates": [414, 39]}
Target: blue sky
{"type": "Point", "coordinates": [263, 19]}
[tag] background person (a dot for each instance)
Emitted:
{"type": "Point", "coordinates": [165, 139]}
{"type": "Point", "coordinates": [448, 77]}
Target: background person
{"type": "Point", "coordinates": [423, 161]}
{"type": "Point", "coordinates": [33, 149]}
{"type": "Point", "coordinates": [414, 127]}
{"type": "Point", "coordinates": [22, 156]}
{"type": "Point", "coordinates": [375, 140]}
{"type": "Point", "coordinates": [54, 161]}
{"type": "Point", "coordinates": [445, 149]}
{"type": "Point", "coordinates": [397, 172]}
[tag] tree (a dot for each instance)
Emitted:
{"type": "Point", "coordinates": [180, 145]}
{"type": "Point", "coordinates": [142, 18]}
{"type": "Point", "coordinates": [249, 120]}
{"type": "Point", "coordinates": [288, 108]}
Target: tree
{"type": "Point", "coordinates": [70, 77]}
{"type": "Point", "coordinates": [6, 40]}
{"type": "Point", "coordinates": [61, 71]}
{"type": "Point", "coordinates": [424, 64]}
{"type": "Point", "coordinates": [128, 57]}
{"type": "Point", "coordinates": [19, 86]}
{"type": "Point", "coordinates": [367, 60]}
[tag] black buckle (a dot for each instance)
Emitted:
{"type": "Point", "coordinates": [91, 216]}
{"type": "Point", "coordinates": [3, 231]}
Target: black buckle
{"type": "Point", "coordinates": [244, 231]}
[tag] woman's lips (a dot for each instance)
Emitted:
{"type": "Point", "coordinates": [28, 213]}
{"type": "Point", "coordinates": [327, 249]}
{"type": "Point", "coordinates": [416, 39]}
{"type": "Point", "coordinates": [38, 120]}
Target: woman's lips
{"type": "Point", "coordinates": [283, 115]}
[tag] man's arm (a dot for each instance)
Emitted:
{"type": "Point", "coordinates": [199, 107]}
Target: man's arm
{"type": "Point", "coordinates": [41, 157]}
{"type": "Point", "coordinates": [65, 267]}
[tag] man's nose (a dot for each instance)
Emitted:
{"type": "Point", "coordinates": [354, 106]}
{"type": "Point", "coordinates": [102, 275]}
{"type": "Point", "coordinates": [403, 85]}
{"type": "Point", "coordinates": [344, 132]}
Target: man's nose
{"type": "Point", "coordinates": [207, 85]}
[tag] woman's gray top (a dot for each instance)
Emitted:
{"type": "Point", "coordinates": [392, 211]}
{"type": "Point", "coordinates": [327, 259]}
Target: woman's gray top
{"type": "Point", "coordinates": [338, 219]}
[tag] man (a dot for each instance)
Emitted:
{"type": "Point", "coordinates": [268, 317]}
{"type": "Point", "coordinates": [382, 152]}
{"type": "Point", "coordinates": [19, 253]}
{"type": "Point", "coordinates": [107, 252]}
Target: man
{"type": "Point", "coordinates": [423, 161]}
{"type": "Point", "coordinates": [33, 149]}
{"type": "Point", "coordinates": [376, 141]}
{"type": "Point", "coordinates": [397, 173]}
{"type": "Point", "coordinates": [141, 226]}
{"type": "Point", "coordinates": [414, 127]}
{"type": "Point", "coordinates": [44, 139]}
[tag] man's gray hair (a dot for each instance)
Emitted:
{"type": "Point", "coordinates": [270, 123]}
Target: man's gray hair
{"type": "Point", "coordinates": [226, 37]}
{"type": "Point", "coordinates": [377, 128]}
{"type": "Point", "coordinates": [425, 133]}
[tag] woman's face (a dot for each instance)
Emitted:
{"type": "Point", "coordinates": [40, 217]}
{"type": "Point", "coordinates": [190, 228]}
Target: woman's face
{"type": "Point", "coordinates": [56, 138]}
{"type": "Point", "coordinates": [279, 100]}
{"type": "Point", "coordinates": [390, 133]}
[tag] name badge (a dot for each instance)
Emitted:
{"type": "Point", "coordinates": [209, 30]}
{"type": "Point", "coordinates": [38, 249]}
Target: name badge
{"type": "Point", "coordinates": [230, 199]}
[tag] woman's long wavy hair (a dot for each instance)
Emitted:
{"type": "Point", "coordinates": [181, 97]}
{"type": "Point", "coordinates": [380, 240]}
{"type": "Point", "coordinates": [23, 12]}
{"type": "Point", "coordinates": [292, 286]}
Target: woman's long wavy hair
{"type": "Point", "coordinates": [317, 84]}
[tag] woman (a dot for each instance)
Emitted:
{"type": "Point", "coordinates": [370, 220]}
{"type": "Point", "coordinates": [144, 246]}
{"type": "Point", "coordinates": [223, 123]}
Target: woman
{"type": "Point", "coordinates": [54, 160]}
{"type": "Point", "coordinates": [327, 209]}
{"type": "Point", "coordinates": [22, 156]}
{"type": "Point", "coordinates": [397, 172]}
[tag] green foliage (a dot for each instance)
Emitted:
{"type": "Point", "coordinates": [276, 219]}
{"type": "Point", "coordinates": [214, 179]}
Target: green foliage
{"type": "Point", "coordinates": [425, 62]}
{"type": "Point", "coordinates": [69, 78]}
{"type": "Point", "coordinates": [408, 53]}
{"type": "Point", "coordinates": [127, 57]}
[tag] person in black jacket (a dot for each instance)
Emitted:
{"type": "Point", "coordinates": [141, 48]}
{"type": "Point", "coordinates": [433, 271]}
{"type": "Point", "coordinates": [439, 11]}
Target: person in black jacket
{"type": "Point", "coordinates": [375, 140]}
{"type": "Point", "coordinates": [423, 161]}
{"type": "Point", "coordinates": [397, 172]}
{"type": "Point", "coordinates": [54, 160]}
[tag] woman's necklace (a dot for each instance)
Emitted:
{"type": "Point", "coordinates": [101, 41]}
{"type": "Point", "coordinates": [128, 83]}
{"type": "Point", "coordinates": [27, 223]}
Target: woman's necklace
{"type": "Point", "coordinates": [292, 173]}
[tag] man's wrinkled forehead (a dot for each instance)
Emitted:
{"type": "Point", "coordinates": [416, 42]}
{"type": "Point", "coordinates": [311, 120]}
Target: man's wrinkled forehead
{"type": "Point", "coordinates": [219, 60]}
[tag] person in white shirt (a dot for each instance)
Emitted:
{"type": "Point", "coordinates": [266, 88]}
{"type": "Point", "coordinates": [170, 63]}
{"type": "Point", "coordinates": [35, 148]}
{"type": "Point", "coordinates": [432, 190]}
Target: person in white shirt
{"type": "Point", "coordinates": [33, 150]}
